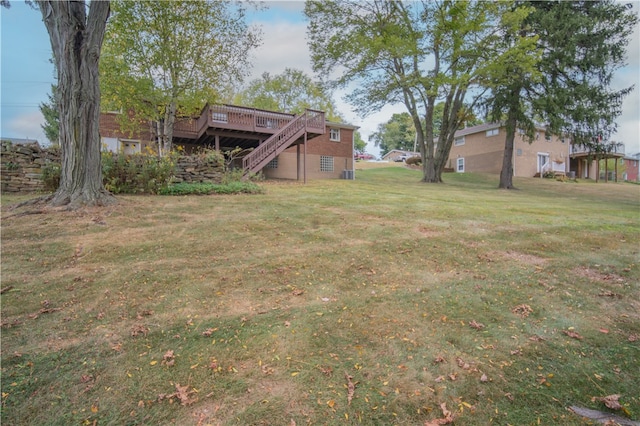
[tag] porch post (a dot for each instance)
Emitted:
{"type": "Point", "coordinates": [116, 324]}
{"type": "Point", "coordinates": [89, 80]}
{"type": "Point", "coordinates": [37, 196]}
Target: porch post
{"type": "Point", "coordinates": [298, 162]}
{"type": "Point", "coordinates": [305, 157]}
{"type": "Point", "coordinates": [217, 138]}
{"type": "Point", "coordinates": [597, 168]}
{"type": "Point", "coordinates": [616, 167]}
{"type": "Point", "coordinates": [606, 170]}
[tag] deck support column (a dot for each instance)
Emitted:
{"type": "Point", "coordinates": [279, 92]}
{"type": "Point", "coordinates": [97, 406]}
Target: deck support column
{"type": "Point", "coordinates": [305, 157]}
{"type": "Point", "coordinates": [298, 162]}
{"type": "Point", "coordinates": [217, 139]}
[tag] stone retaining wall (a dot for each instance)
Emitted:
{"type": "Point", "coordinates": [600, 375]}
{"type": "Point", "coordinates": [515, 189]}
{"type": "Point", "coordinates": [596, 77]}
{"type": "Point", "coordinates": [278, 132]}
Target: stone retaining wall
{"type": "Point", "coordinates": [21, 167]}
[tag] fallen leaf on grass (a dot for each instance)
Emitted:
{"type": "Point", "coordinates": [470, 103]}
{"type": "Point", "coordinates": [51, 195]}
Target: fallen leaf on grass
{"type": "Point", "coordinates": [572, 334]}
{"type": "Point", "coordinates": [438, 360]}
{"type": "Point", "coordinates": [169, 358]}
{"type": "Point", "coordinates": [447, 417]}
{"type": "Point", "coordinates": [351, 388]}
{"type": "Point", "coordinates": [522, 310]}
{"type": "Point", "coordinates": [476, 325]}
{"type": "Point", "coordinates": [633, 338]}
{"type": "Point", "coordinates": [138, 330]}
{"type": "Point", "coordinates": [209, 331]}
{"type": "Point", "coordinates": [182, 393]}
{"type": "Point", "coordinates": [611, 401]}
{"type": "Point", "coordinates": [297, 292]}
{"type": "Point", "coordinates": [484, 378]}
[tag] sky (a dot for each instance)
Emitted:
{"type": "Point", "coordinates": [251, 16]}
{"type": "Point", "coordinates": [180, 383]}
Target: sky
{"type": "Point", "coordinates": [26, 73]}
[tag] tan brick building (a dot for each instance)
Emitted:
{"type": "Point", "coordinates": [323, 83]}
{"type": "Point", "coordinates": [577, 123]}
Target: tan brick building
{"type": "Point", "coordinates": [481, 149]}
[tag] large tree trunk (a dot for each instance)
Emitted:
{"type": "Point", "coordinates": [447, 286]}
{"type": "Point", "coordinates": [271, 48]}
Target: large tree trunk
{"type": "Point", "coordinates": [506, 174]}
{"type": "Point", "coordinates": [76, 41]}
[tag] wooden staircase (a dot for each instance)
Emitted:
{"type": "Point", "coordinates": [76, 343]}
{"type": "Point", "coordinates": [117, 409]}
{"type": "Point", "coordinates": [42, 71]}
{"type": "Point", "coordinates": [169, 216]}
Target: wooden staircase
{"type": "Point", "coordinates": [309, 121]}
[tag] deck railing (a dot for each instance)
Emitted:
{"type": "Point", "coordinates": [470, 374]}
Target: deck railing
{"type": "Point", "coordinates": [275, 144]}
{"type": "Point", "coordinates": [608, 148]}
{"type": "Point", "coordinates": [249, 119]}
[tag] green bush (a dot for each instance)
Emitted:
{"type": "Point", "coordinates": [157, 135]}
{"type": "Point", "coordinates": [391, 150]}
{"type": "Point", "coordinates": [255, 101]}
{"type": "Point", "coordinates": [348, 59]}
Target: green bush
{"type": "Point", "coordinates": [51, 176]}
{"type": "Point", "coordinates": [138, 173]}
{"type": "Point", "coordinates": [204, 188]}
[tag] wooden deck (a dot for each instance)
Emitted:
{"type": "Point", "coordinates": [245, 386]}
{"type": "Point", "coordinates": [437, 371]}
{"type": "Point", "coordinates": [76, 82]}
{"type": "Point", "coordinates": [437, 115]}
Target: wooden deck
{"type": "Point", "coordinates": [228, 126]}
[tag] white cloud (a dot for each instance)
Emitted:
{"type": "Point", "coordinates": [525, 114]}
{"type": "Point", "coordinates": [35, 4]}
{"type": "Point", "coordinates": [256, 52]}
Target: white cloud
{"type": "Point", "coordinates": [284, 46]}
{"type": "Point", "coordinates": [27, 126]}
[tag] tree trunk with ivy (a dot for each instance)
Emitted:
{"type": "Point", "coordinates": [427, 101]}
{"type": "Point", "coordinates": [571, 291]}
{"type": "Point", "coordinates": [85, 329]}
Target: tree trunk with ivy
{"type": "Point", "coordinates": [76, 40]}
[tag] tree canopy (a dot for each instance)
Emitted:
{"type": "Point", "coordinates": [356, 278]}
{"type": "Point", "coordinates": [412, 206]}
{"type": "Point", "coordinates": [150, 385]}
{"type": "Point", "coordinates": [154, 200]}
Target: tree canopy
{"type": "Point", "coordinates": [163, 60]}
{"type": "Point", "coordinates": [292, 91]}
{"type": "Point", "coordinates": [397, 133]}
{"type": "Point", "coordinates": [568, 88]}
{"type": "Point", "coordinates": [416, 54]}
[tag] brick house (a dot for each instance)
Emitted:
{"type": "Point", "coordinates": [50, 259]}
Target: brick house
{"type": "Point", "coordinates": [280, 145]}
{"type": "Point", "coordinates": [632, 168]}
{"type": "Point", "coordinates": [481, 149]}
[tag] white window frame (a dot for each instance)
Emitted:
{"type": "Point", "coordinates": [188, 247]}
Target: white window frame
{"type": "Point", "coordinates": [460, 165]}
{"type": "Point", "coordinates": [334, 135]}
{"type": "Point", "coordinates": [458, 141]}
{"type": "Point", "coordinates": [326, 163]}
{"type": "Point", "coordinates": [492, 132]}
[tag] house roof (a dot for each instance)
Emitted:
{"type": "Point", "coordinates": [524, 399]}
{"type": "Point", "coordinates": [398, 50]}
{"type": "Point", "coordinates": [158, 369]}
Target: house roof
{"type": "Point", "coordinates": [341, 125]}
{"type": "Point", "coordinates": [477, 129]}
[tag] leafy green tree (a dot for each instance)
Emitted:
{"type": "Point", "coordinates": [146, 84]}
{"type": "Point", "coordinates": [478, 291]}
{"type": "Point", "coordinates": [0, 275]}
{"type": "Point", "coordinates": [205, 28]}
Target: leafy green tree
{"type": "Point", "coordinates": [581, 44]}
{"type": "Point", "coordinates": [359, 144]}
{"type": "Point", "coordinates": [292, 91]}
{"type": "Point", "coordinates": [164, 60]}
{"type": "Point", "coordinates": [49, 110]}
{"type": "Point", "coordinates": [76, 31]}
{"type": "Point", "coordinates": [397, 133]}
{"type": "Point", "coordinates": [412, 53]}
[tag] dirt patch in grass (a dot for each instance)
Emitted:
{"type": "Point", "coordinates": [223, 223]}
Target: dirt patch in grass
{"type": "Point", "coordinates": [598, 276]}
{"type": "Point", "coordinates": [527, 259]}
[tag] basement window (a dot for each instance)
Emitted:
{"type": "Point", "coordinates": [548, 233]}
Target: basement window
{"type": "Point", "coordinates": [326, 163]}
{"type": "Point", "coordinates": [273, 164]}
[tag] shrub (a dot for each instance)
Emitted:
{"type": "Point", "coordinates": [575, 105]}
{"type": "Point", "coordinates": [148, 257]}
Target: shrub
{"type": "Point", "coordinates": [204, 188]}
{"type": "Point", "coordinates": [51, 176]}
{"type": "Point", "coordinates": [138, 173]}
{"type": "Point", "coordinates": [414, 160]}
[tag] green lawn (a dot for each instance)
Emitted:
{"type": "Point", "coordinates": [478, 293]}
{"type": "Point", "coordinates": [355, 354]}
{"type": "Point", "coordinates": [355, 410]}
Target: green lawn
{"type": "Point", "coordinates": [366, 302]}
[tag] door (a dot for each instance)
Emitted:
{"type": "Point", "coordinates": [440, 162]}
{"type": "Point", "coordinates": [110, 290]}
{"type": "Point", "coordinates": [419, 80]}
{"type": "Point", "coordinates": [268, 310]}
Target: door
{"type": "Point", "coordinates": [543, 163]}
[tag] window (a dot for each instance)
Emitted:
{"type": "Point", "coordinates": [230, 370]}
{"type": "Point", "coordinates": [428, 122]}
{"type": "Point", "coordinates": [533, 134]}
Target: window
{"type": "Point", "coordinates": [519, 152]}
{"type": "Point", "coordinates": [129, 147]}
{"type": "Point", "coordinates": [273, 164]}
{"type": "Point", "coordinates": [326, 163]}
{"type": "Point", "coordinates": [547, 137]}
{"type": "Point", "coordinates": [460, 165]}
{"type": "Point", "coordinates": [492, 132]}
{"type": "Point", "coordinates": [334, 135]}
{"type": "Point", "coordinates": [458, 141]}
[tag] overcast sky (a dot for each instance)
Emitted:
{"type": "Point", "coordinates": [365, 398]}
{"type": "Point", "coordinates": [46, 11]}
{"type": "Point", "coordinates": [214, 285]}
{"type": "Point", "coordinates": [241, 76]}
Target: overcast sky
{"type": "Point", "coordinates": [27, 74]}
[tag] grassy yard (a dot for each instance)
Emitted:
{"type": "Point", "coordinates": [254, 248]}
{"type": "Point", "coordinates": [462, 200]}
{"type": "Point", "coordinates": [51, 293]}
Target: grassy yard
{"type": "Point", "coordinates": [338, 302]}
